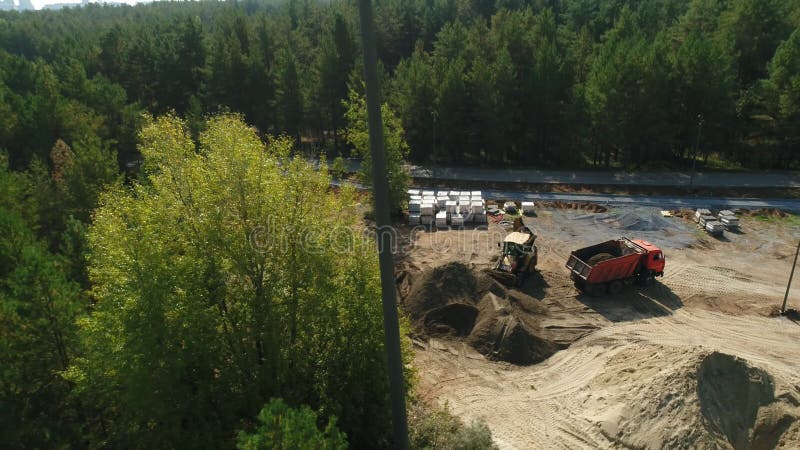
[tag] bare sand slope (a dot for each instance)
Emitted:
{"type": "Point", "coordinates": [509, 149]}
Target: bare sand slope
{"type": "Point", "coordinates": [691, 379]}
{"type": "Point", "coordinates": [693, 362]}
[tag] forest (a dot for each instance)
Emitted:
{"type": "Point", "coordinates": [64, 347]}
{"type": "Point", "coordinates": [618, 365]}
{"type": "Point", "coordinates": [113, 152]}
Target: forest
{"type": "Point", "coordinates": [569, 84]}
{"type": "Point", "coordinates": [150, 296]}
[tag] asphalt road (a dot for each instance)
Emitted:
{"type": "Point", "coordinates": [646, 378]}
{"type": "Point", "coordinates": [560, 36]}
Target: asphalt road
{"type": "Point", "coordinates": [700, 179]}
{"type": "Point", "coordinates": [751, 179]}
{"type": "Point", "coordinates": [663, 202]}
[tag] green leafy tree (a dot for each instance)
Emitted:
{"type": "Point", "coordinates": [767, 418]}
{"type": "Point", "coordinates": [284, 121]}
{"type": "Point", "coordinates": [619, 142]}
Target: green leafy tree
{"type": "Point", "coordinates": [38, 309]}
{"type": "Point", "coordinates": [339, 167]}
{"type": "Point", "coordinates": [281, 426]}
{"type": "Point", "coordinates": [229, 275]}
{"type": "Point", "coordinates": [752, 30]}
{"type": "Point", "coordinates": [289, 99]}
{"type": "Point", "coordinates": [779, 103]}
{"type": "Point", "coordinates": [93, 169]}
{"type": "Point", "coordinates": [395, 148]}
{"type": "Point", "coordinates": [413, 97]}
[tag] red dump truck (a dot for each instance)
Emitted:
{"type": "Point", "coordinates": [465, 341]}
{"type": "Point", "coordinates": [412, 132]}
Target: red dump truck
{"type": "Point", "coordinates": [608, 266]}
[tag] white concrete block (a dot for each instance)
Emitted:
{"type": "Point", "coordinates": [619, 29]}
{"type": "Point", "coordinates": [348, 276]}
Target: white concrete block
{"type": "Point", "coordinates": [441, 219]}
{"type": "Point", "coordinates": [527, 207]}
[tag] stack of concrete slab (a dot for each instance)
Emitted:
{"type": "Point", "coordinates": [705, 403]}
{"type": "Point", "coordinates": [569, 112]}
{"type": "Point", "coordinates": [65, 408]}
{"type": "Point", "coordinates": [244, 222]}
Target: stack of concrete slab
{"type": "Point", "coordinates": [441, 219]}
{"type": "Point", "coordinates": [440, 208]}
{"type": "Point", "coordinates": [729, 219]}
{"type": "Point", "coordinates": [699, 213]}
{"type": "Point", "coordinates": [527, 207]}
{"type": "Point", "coordinates": [705, 218]}
{"type": "Point", "coordinates": [709, 222]}
{"type": "Point", "coordinates": [714, 227]}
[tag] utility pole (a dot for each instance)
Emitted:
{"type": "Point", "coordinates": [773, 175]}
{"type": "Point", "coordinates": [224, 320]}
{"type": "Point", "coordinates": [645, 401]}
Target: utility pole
{"type": "Point", "coordinates": [791, 274]}
{"type": "Point", "coordinates": [380, 186]}
{"type": "Point", "coordinates": [696, 148]}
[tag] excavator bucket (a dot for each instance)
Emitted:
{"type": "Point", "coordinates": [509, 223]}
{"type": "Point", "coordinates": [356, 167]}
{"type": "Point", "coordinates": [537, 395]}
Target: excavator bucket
{"type": "Point", "coordinates": [506, 278]}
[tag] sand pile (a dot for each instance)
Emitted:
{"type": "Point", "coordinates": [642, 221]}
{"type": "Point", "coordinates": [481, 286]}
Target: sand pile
{"type": "Point", "coordinates": [697, 400]}
{"type": "Point", "coordinates": [456, 302]}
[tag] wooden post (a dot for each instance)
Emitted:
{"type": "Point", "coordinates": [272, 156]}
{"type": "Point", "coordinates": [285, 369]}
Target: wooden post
{"type": "Point", "coordinates": [791, 274]}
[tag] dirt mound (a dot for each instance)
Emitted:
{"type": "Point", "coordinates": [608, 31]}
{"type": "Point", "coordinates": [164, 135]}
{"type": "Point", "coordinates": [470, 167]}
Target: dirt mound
{"type": "Point", "coordinates": [684, 213]}
{"type": "Point", "coordinates": [763, 212]}
{"type": "Point", "coordinates": [600, 257]}
{"type": "Point", "coordinates": [456, 302]}
{"type": "Point", "coordinates": [665, 397]}
{"type": "Point", "coordinates": [642, 222]}
{"type": "Point", "coordinates": [589, 207]}
{"type": "Point", "coordinates": [731, 393]}
{"type": "Point", "coordinates": [637, 220]}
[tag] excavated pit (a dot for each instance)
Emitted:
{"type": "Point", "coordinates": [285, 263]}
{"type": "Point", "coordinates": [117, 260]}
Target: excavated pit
{"type": "Point", "coordinates": [455, 319]}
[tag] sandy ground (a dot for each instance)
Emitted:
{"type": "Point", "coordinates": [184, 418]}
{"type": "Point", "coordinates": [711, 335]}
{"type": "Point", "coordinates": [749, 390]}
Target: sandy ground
{"type": "Point", "coordinates": [645, 344]}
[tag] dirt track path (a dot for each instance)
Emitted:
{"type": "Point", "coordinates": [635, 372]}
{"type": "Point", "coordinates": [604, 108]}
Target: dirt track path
{"type": "Point", "coordinates": [545, 406]}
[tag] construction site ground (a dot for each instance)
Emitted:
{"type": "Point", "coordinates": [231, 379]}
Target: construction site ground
{"type": "Point", "coordinates": [701, 359]}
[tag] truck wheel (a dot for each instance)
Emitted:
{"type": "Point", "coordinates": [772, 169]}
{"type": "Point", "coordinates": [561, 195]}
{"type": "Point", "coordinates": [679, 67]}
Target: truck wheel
{"type": "Point", "coordinates": [615, 287]}
{"type": "Point", "coordinates": [646, 279]}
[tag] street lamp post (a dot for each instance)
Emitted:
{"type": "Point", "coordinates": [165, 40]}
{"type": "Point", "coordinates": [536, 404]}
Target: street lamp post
{"type": "Point", "coordinates": [696, 148]}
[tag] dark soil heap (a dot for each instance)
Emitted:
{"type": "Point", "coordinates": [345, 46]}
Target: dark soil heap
{"type": "Point", "coordinates": [456, 302]}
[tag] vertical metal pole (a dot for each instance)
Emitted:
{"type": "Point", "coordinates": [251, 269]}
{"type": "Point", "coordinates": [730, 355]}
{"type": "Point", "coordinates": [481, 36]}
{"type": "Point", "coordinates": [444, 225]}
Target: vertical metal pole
{"type": "Point", "coordinates": [380, 186]}
{"type": "Point", "coordinates": [791, 275]}
{"type": "Point", "coordinates": [696, 148]}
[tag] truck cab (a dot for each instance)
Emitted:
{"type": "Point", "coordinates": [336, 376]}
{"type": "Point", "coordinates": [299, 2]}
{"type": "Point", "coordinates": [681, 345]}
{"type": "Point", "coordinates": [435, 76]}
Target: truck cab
{"type": "Point", "coordinates": [655, 260]}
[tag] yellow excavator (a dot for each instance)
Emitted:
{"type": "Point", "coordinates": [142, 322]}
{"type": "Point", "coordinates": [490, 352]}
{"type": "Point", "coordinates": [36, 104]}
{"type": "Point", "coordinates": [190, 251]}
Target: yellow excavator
{"type": "Point", "coordinates": [518, 256]}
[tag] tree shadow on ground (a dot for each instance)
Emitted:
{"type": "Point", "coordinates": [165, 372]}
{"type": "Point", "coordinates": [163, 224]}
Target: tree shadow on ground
{"type": "Point", "coordinates": [634, 303]}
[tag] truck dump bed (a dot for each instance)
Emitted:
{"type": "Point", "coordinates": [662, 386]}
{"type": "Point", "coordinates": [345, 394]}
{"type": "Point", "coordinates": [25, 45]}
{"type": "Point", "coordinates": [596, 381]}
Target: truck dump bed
{"type": "Point", "coordinates": [625, 258]}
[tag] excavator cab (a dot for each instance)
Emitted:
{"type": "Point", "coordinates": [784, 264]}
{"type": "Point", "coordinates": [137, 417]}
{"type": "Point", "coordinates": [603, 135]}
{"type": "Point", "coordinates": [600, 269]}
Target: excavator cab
{"type": "Point", "coordinates": [517, 246]}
